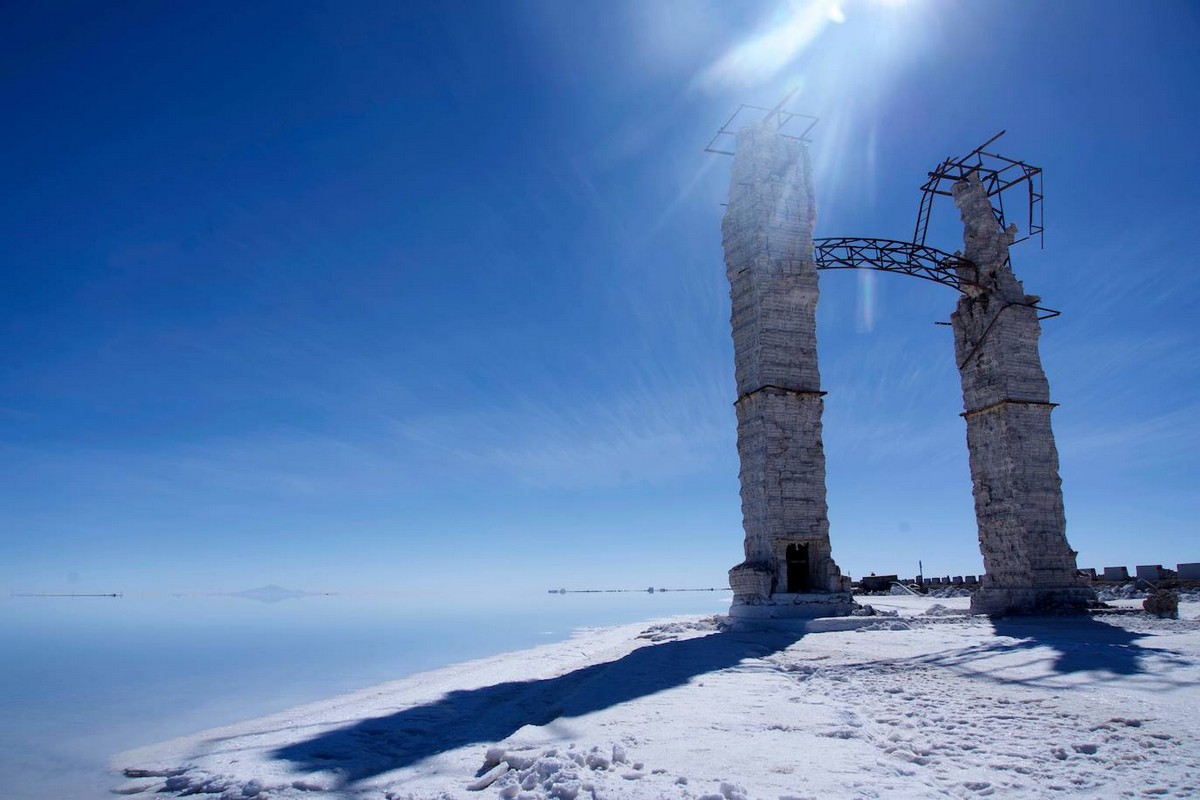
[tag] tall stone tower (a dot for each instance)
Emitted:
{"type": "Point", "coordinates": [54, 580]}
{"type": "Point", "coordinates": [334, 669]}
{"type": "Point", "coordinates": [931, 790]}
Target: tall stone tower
{"type": "Point", "coordinates": [768, 240]}
{"type": "Point", "coordinates": [1014, 463]}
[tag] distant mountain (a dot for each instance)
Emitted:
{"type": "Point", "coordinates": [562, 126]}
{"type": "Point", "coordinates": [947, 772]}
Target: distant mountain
{"type": "Point", "coordinates": [271, 594]}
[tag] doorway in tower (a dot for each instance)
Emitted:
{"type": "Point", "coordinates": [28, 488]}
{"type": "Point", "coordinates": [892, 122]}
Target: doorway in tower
{"type": "Point", "coordinates": [797, 568]}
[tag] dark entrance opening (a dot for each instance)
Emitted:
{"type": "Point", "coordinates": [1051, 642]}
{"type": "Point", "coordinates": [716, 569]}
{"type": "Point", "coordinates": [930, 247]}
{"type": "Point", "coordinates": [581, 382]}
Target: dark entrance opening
{"type": "Point", "coordinates": [797, 568]}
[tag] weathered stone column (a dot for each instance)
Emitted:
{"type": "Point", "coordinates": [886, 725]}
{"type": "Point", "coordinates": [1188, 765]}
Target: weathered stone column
{"type": "Point", "coordinates": [1029, 565]}
{"type": "Point", "coordinates": [768, 239]}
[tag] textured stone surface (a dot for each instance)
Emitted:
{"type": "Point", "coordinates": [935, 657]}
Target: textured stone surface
{"type": "Point", "coordinates": [784, 606]}
{"type": "Point", "coordinates": [768, 241]}
{"type": "Point", "coordinates": [1163, 604]}
{"type": "Point", "coordinates": [1014, 463]}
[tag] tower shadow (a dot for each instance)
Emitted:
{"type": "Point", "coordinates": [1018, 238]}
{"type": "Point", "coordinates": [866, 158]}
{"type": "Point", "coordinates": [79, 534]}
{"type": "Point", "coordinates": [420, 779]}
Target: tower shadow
{"type": "Point", "coordinates": [488, 714]}
{"type": "Point", "coordinates": [1081, 643]}
{"type": "Point", "coordinates": [1063, 653]}
{"type": "Point", "coordinates": [1065, 646]}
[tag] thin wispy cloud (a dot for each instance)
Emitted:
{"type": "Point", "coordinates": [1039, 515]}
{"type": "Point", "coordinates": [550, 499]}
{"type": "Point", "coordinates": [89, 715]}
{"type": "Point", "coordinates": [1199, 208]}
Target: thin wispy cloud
{"type": "Point", "coordinates": [1143, 442]}
{"type": "Point", "coordinates": [475, 275]}
{"type": "Point", "coordinates": [644, 437]}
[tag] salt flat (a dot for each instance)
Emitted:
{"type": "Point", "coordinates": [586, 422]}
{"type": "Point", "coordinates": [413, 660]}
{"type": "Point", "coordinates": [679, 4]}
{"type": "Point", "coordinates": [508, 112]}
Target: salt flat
{"type": "Point", "coordinates": [916, 705]}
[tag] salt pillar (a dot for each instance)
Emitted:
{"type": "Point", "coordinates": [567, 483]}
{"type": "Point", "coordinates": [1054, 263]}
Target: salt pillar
{"type": "Point", "coordinates": [1029, 565]}
{"type": "Point", "coordinates": [768, 239]}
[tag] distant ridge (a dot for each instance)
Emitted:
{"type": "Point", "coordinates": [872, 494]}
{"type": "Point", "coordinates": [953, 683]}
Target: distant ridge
{"type": "Point", "coordinates": [274, 594]}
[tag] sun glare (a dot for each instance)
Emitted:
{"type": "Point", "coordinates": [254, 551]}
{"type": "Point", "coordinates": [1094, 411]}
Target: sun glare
{"type": "Point", "coordinates": [761, 57]}
{"type": "Point", "coordinates": [793, 28]}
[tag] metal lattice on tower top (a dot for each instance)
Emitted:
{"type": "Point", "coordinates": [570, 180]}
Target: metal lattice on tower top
{"type": "Point", "coordinates": [999, 174]}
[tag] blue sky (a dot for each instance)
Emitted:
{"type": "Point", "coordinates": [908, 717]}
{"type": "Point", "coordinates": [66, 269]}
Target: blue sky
{"type": "Point", "coordinates": [369, 295]}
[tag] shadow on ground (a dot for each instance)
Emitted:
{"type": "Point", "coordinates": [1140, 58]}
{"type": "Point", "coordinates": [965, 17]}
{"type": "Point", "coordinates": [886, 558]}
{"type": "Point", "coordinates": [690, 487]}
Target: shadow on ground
{"type": "Point", "coordinates": [1059, 652]}
{"type": "Point", "coordinates": [1064, 646]}
{"type": "Point", "coordinates": [1081, 643]}
{"type": "Point", "coordinates": [492, 713]}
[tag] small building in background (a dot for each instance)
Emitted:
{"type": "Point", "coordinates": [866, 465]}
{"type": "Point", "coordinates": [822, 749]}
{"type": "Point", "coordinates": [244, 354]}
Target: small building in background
{"type": "Point", "coordinates": [877, 583]}
{"type": "Point", "coordinates": [1150, 572]}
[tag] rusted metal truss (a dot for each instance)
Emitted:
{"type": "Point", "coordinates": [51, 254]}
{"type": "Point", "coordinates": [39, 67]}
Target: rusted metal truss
{"type": "Point", "coordinates": [788, 124]}
{"type": "Point", "coordinates": [905, 258]}
{"type": "Point", "coordinates": [998, 173]}
{"type": "Point", "coordinates": [888, 255]}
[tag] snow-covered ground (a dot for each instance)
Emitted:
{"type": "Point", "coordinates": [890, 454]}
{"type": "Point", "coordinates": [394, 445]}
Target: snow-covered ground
{"type": "Point", "coordinates": [916, 705]}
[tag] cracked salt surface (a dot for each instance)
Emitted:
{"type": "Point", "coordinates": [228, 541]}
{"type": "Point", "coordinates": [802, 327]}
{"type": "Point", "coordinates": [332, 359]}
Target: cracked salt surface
{"type": "Point", "coordinates": [944, 706]}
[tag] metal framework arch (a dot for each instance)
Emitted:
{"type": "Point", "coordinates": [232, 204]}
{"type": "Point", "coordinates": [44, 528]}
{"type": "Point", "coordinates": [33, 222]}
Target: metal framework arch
{"type": "Point", "coordinates": [889, 255]}
{"type": "Point", "coordinates": [905, 258]}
